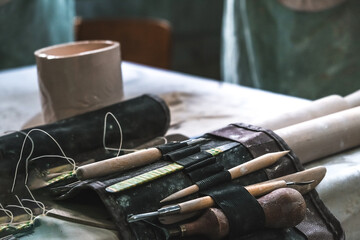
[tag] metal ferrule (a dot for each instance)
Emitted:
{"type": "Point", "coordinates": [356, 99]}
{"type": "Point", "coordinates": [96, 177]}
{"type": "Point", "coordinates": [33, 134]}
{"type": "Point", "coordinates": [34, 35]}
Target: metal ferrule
{"type": "Point", "coordinates": [142, 216]}
{"type": "Point", "coordinates": [195, 141]}
{"type": "Point", "coordinates": [160, 212]}
{"type": "Point", "coordinates": [169, 210]}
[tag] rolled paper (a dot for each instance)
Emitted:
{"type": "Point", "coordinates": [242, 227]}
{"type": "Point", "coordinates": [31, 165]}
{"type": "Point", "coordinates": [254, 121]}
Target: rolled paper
{"type": "Point", "coordinates": [323, 136]}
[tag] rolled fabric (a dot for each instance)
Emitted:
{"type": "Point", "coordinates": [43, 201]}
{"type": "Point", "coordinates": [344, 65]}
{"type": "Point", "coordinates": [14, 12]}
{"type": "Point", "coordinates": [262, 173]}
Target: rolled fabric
{"type": "Point", "coordinates": [81, 137]}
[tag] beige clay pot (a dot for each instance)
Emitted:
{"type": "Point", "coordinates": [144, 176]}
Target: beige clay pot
{"type": "Point", "coordinates": [78, 77]}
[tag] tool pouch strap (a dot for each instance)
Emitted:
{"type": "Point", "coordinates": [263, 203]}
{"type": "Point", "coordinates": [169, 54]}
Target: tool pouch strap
{"type": "Point", "coordinates": [242, 210]}
{"type": "Point", "coordinates": [319, 223]}
{"type": "Point", "coordinates": [214, 180]}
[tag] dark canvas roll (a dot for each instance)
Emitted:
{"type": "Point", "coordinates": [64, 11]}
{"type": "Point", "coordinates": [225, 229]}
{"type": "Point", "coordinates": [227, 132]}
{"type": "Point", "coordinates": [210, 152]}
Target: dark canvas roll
{"type": "Point", "coordinates": [81, 137]}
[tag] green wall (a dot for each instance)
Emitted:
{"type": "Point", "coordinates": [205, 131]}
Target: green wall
{"type": "Point", "coordinates": [196, 28]}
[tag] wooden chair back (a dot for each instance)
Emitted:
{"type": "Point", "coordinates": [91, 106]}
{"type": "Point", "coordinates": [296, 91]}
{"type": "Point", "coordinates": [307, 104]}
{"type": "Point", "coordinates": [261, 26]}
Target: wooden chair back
{"type": "Point", "coordinates": [144, 41]}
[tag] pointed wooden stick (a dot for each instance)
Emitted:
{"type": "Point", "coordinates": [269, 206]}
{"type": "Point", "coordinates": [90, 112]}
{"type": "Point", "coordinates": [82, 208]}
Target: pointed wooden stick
{"type": "Point", "coordinates": [235, 172]}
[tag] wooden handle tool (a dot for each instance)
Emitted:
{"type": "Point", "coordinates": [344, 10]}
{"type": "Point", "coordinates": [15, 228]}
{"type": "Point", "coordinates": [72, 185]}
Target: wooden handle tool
{"type": "Point", "coordinates": [163, 171]}
{"type": "Point", "coordinates": [283, 208]}
{"type": "Point", "coordinates": [117, 164]}
{"type": "Point", "coordinates": [125, 162]}
{"type": "Point", "coordinates": [235, 172]}
{"type": "Point", "coordinates": [312, 177]}
{"type": "Point", "coordinates": [207, 202]}
{"type": "Point", "coordinates": [315, 175]}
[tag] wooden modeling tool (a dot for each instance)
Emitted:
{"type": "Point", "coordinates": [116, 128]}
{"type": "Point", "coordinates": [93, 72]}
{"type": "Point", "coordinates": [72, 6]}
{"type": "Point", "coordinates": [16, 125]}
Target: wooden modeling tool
{"type": "Point", "coordinates": [316, 174]}
{"type": "Point", "coordinates": [235, 172]}
{"type": "Point", "coordinates": [207, 202]}
{"type": "Point", "coordinates": [128, 161]}
{"type": "Point", "coordinates": [162, 171]}
{"type": "Point", "coordinates": [283, 208]}
{"type": "Point", "coordinates": [313, 176]}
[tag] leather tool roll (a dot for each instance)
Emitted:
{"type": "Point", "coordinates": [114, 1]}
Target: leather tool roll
{"type": "Point", "coordinates": [81, 137]}
{"type": "Point", "coordinates": [319, 223]}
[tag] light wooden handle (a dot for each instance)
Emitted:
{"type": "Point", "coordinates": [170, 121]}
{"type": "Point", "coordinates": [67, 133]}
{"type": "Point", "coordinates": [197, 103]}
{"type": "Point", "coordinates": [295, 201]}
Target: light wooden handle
{"type": "Point", "coordinates": [206, 202]}
{"type": "Point", "coordinates": [256, 164]}
{"type": "Point", "coordinates": [315, 174]}
{"type": "Point", "coordinates": [116, 164]}
{"type": "Point", "coordinates": [196, 204]}
{"type": "Point", "coordinates": [323, 136]}
{"type": "Point", "coordinates": [235, 172]}
{"type": "Point", "coordinates": [264, 188]}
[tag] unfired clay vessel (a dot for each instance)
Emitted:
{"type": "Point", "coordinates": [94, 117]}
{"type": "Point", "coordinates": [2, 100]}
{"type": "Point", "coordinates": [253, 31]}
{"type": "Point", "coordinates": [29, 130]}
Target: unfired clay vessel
{"type": "Point", "coordinates": [78, 77]}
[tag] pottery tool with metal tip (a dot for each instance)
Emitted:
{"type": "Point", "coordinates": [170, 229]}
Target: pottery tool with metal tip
{"type": "Point", "coordinates": [207, 202]}
{"type": "Point", "coordinates": [162, 171]}
{"type": "Point", "coordinates": [129, 161]}
{"type": "Point", "coordinates": [312, 176]}
{"type": "Point", "coordinates": [233, 173]}
{"type": "Point", "coordinates": [315, 174]}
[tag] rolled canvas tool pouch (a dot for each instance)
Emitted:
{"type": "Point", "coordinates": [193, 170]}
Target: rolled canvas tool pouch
{"type": "Point", "coordinates": [81, 137]}
{"type": "Point", "coordinates": [251, 142]}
